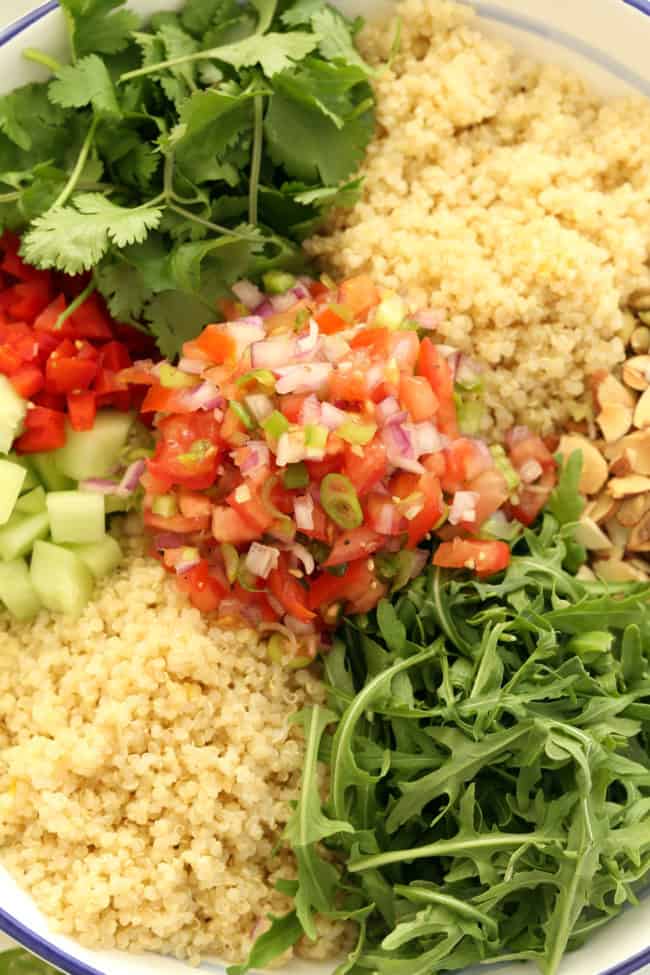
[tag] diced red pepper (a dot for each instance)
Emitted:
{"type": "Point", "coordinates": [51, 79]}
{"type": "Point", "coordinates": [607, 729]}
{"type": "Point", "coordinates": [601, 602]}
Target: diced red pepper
{"type": "Point", "coordinates": [43, 430]}
{"type": "Point", "coordinates": [82, 409]}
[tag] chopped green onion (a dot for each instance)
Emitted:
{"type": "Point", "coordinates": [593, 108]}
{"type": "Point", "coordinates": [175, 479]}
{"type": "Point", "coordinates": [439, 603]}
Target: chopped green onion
{"type": "Point", "coordinates": [296, 663]}
{"type": "Point", "coordinates": [357, 433]}
{"type": "Point", "coordinates": [277, 282]}
{"type": "Point", "coordinates": [301, 317]}
{"type": "Point", "coordinates": [246, 579]}
{"type": "Point", "coordinates": [164, 505]}
{"type": "Point", "coordinates": [277, 648]}
{"type": "Point", "coordinates": [390, 312]}
{"type": "Point", "coordinates": [503, 463]}
{"type": "Point", "coordinates": [198, 451]}
{"type": "Point", "coordinates": [340, 501]}
{"type": "Point", "coordinates": [230, 560]}
{"type": "Point", "coordinates": [190, 554]}
{"type": "Point", "coordinates": [316, 436]}
{"type": "Point", "coordinates": [243, 414]}
{"type": "Point", "coordinates": [469, 410]}
{"type": "Point", "coordinates": [296, 476]}
{"type": "Point", "coordinates": [262, 376]}
{"type": "Point", "coordinates": [172, 378]}
{"type": "Point", "coordinates": [275, 425]}
{"type": "Point", "coordinates": [343, 312]}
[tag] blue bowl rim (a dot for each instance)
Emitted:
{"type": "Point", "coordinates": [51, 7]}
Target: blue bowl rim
{"type": "Point", "coordinates": [8, 924]}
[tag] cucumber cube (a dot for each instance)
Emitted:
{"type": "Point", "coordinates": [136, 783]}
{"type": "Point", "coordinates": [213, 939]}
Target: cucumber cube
{"type": "Point", "coordinates": [96, 452]}
{"type": "Point", "coordinates": [76, 516]}
{"type": "Point", "coordinates": [32, 502]}
{"type": "Point", "coordinates": [62, 581]}
{"type": "Point", "coordinates": [45, 466]}
{"type": "Point", "coordinates": [16, 590]}
{"type": "Point", "coordinates": [12, 413]}
{"type": "Point", "coordinates": [100, 557]}
{"type": "Point", "coordinates": [19, 534]}
{"type": "Point", "coordinates": [31, 481]}
{"type": "Point", "coordinates": [12, 477]}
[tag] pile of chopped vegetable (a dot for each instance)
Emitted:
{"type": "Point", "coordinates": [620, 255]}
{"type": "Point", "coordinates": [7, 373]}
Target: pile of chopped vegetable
{"type": "Point", "coordinates": [309, 447]}
{"type": "Point", "coordinates": [488, 748]}
{"type": "Point", "coordinates": [172, 158]}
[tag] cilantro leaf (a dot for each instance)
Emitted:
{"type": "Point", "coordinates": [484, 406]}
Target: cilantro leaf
{"type": "Point", "coordinates": [273, 52]}
{"type": "Point", "coordinates": [123, 288]}
{"type": "Point", "coordinates": [99, 26]}
{"type": "Point", "coordinates": [209, 123]}
{"type": "Point", "coordinates": [174, 317]}
{"type": "Point", "coordinates": [335, 41]}
{"type": "Point", "coordinates": [85, 83]}
{"type": "Point", "coordinates": [300, 12]}
{"type": "Point", "coordinates": [75, 238]}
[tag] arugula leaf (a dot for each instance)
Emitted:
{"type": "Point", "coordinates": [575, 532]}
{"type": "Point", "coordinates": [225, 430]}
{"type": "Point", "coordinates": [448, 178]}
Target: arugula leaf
{"type": "Point", "coordinates": [565, 502]}
{"type": "Point", "coordinates": [85, 83]}
{"type": "Point", "coordinates": [283, 933]}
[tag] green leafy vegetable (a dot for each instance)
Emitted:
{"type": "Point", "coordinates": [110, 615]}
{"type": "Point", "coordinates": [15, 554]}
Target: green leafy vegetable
{"type": "Point", "coordinates": [185, 127]}
{"type": "Point", "coordinates": [489, 754]}
{"type": "Point", "coordinates": [19, 962]}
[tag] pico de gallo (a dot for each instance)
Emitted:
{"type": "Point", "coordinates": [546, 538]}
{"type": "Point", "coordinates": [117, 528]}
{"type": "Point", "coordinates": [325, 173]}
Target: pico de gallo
{"type": "Point", "coordinates": [312, 453]}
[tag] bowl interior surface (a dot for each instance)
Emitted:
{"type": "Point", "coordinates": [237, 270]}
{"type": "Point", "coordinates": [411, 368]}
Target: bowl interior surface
{"type": "Point", "coordinates": [607, 42]}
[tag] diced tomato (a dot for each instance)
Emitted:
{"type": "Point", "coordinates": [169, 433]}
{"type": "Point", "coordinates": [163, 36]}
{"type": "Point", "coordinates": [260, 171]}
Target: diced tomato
{"type": "Point", "coordinates": [417, 397]}
{"type": "Point", "coordinates": [432, 511]}
{"type": "Point", "coordinates": [217, 344]}
{"type": "Point", "coordinates": [82, 409]}
{"type": "Point", "coordinates": [532, 497]}
{"type": "Point", "coordinates": [331, 322]}
{"type": "Point", "coordinates": [493, 493]}
{"type": "Point", "coordinates": [50, 401]}
{"type": "Point", "coordinates": [366, 470]}
{"type": "Point", "coordinates": [317, 289]}
{"type": "Point", "coordinates": [27, 381]}
{"type": "Point", "coordinates": [205, 591]}
{"type": "Point", "coordinates": [291, 406]}
{"type": "Point", "coordinates": [323, 529]}
{"type": "Point", "coordinates": [43, 429]}
{"type": "Point", "coordinates": [47, 319]}
{"type": "Point", "coordinates": [29, 299]}
{"type": "Point", "coordinates": [10, 361]}
{"type": "Point", "coordinates": [285, 321]}
{"type": "Point", "coordinates": [187, 451]}
{"type": "Point", "coordinates": [485, 558]}
{"type": "Point", "coordinates": [90, 320]}
{"type": "Point", "coordinates": [136, 376]}
{"type": "Point", "coordinates": [288, 591]}
{"type": "Point", "coordinates": [435, 463]}
{"type": "Point", "coordinates": [465, 459]}
{"type": "Point", "coordinates": [176, 523]}
{"type": "Point", "coordinates": [348, 387]}
{"type": "Point", "coordinates": [65, 375]}
{"type": "Point", "coordinates": [356, 587]}
{"type": "Point", "coordinates": [191, 350]}
{"type": "Point", "coordinates": [246, 501]}
{"type": "Point", "coordinates": [229, 526]}
{"type": "Point", "coordinates": [233, 431]}
{"type": "Point", "coordinates": [161, 399]}
{"type": "Point", "coordinates": [115, 356]}
{"type": "Point", "coordinates": [432, 365]}
{"type": "Point", "coordinates": [13, 264]}
{"type": "Point", "coordinates": [194, 505]}
{"type": "Point", "coordinates": [230, 309]}
{"type": "Point", "coordinates": [359, 294]}
{"type": "Point", "coordinates": [353, 545]}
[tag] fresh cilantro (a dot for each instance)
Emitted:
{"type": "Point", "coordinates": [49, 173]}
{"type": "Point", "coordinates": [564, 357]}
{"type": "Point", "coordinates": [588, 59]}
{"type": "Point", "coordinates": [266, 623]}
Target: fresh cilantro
{"type": "Point", "coordinates": [300, 12]}
{"type": "Point", "coordinates": [85, 83]}
{"type": "Point", "coordinates": [99, 26]}
{"type": "Point", "coordinates": [335, 41]}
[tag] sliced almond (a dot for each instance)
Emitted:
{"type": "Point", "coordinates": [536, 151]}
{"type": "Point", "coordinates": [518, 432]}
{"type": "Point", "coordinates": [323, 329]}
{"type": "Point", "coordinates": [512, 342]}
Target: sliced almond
{"type": "Point", "coordinates": [622, 465]}
{"type": "Point", "coordinates": [615, 420]}
{"type": "Point", "coordinates": [639, 563]}
{"type": "Point", "coordinates": [624, 487]}
{"type": "Point", "coordinates": [585, 573]}
{"type": "Point", "coordinates": [632, 510]}
{"type": "Point", "coordinates": [642, 411]}
{"type": "Point", "coordinates": [640, 300]}
{"type": "Point", "coordinates": [636, 372]}
{"type": "Point", "coordinates": [601, 508]}
{"type": "Point", "coordinates": [611, 390]}
{"type": "Point", "coordinates": [639, 540]}
{"type": "Point", "coordinates": [640, 339]}
{"type": "Point", "coordinates": [594, 465]}
{"type": "Point", "coordinates": [639, 442]}
{"type": "Point", "coordinates": [589, 534]}
{"type": "Point", "coordinates": [615, 570]}
{"type": "Point", "coordinates": [618, 535]}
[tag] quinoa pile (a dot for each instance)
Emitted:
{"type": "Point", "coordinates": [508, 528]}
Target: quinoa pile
{"type": "Point", "coordinates": [146, 765]}
{"type": "Point", "coordinates": [509, 196]}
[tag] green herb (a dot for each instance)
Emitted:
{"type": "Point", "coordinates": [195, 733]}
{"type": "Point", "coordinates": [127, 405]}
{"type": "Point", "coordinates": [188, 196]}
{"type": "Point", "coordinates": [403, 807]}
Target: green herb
{"type": "Point", "coordinates": [340, 501]}
{"type": "Point", "coordinates": [19, 962]}
{"type": "Point", "coordinates": [488, 747]}
{"type": "Point", "coordinates": [176, 158]}
{"type": "Point", "coordinates": [243, 415]}
{"type": "Point", "coordinates": [295, 476]}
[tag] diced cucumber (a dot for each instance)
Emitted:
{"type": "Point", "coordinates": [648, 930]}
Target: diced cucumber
{"type": "Point", "coordinates": [100, 557]}
{"type": "Point", "coordinates": [32, 502]}
{"type": "Point", "coordinates": [76, 516]}
{"type": "Point", "coordinates": [17, 590]}
{"type": "Point", "coordinates": [12, 413]}
{"type": "Point", "coordinates": [96, 452]}
{"type": "Point", "coordinates": [48, 472]}
{"type": "Point", "coordinates": [19, 534]}
{"type": "Point", "coordinates": [62, 581]}
{"type": "Point", "coordinates": [12, 477]}
{"type": "Point", "coordinates": [31, 481]}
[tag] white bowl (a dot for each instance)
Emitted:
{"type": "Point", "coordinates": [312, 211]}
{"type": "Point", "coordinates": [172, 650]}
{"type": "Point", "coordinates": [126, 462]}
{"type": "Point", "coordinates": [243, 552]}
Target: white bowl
{"type": "Point", "coordinates": [607, 41]}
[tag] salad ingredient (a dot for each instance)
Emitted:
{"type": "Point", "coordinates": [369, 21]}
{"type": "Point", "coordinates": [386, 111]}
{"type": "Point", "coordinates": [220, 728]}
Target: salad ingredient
{"type": "Point", "coordinates": [62, 581]}
{"type": "Point", "coordinates": [487, 749]}
{"type": "Point", "coordinates": [184, 154]}
{"type": "Point", "coordinates": [192, 812]}
{"type": "Point", "coordinates": [12, 478]}
{"type": "Point", "coordinates": [95, 452]}
{"type": "Point", "coordinates": [490, 225]}
{"type": "Point", "coordinates": [19, 962]}
{"type": "Point", "coordinates": [278, 448]}
{"type": "Point", "coordinates": [76, 516]}
{"type": "Point", "coordinates": [17, 590]}
{"type": "Point", "coordinates": [12, 414]}
{"type": "Point", "coordinates": [101, 557]}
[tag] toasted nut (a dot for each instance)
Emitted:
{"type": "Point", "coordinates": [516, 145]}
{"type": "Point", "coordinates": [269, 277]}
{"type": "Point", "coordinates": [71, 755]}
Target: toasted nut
{"type": "Point", "coordinates": [615, 570]}
{"type": "Point", "coordinates": [589, 534]}
{"type": "Point", "coordinates": [622, 465]}
{"type": "Point", "coordinates": [642, 411]}
{"type": "Point", "coordinates": [639, 540]}
{"type": "Point", "coordinates": [611, 390]}
{"type": "Point", "coordinates": [624, 487]}
{"type": "Point", "coordinates": [644, 316]}
{"type": "Point", "coordinates": [640, 339]}
{"type": "Point", "coordinates": [636, 372]}
{"type": "Point", "coordinates": [615, 420]}
{"type": "Point", "coordinates": [638, 443]}
{"type": "Point", "coordinates": [594, 465]}
{"type": "Point", "coordinates": [640, 300]}
{"type": "Point", "coordinates": [632, 510]}
{"type": "Point", "coordinates": [639, 563]}
{"type": "Point", "coordinates": [585, 573]}
{"type": "Point", "coordinates": [618, 535]}
{"type": "Point", "coordinates": [629, 324]}
{"type": "Point", "coordinates": [601, 508]}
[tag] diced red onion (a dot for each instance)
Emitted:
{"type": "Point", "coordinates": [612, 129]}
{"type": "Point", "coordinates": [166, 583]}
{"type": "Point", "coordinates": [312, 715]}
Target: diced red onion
{"type": "Point", "coordinates": [275, 604]}
{"type": "Point", "coordinates": [430, 318]}
{"type": "Point", "coordinates": [261, 559]}
{"type": "Point", "coordinates": [99, 485]}
{"type": "Point", "coordinates": [300, 290]}
{"type": "Point", "coordinates": [517, 435]}
{"type": "Point", "coordinates": [264, 309]}
{"type": "Point", "coordinates": [385, 519]}
{"type": "Point", "coordinates": [401, 417]}
{"type": "Point", "coordinates": [420, 559]}
{"type": "Point", "coordinates": [205, 396]}
{"type": "Point", "coordinates": [248, 293]}
{"type": "Point", "coordinates": [194, 367]}
{"type": "Point", "coordinates": [426, 439]}
{"type": "Point", "coordinates": [291, 448]}
{"type": "Point", "coordinates": [374, 376]}
{"type": "Point", "coordinates": [467, 370]}
{"type": "Point", "coordinates": [304, 556]}
{"type": "Point", "coordinates": [332, 417]}
{"type": "Point", "coordinates": [246, 331]}
{"type": "Point", "coordinates": [306, 345]}
{"type": "Point", "coordinates": [402, 350]}
{"type": "Point", "coordinates": [169, 540]}
{"type": "Point", "coordinates": [258, 456]}
{"type": "Point", "coordinates": [298, 626]}
{"type": "Point", "coordinates": [530, 471]}
{"type": "Point", "coordinates": [181, 568]}
{"type": "Point", "coordinates": [273, 353]}
{"type": "Point", "coordinates": [463, 507]}
{"type": "Point", "coordinates": [146, 364]}
{"type": "Point", "coordinates": [131, 478]}
{"type": "Point", "coordinates": [305, 378]}
{"type": "Point", "coordinates": [283, 302]}
{"type": "Point", "coordinates": [303, 512]}
{"type": "Point", "coordinates": [334, 347]}
{"type": "Point", "coordinates": [386, 408]}
{"type": "Point", "coordinates": [399, 448]}
{"type": "Point", "coordinates": [260, 405]}
{"type": "Point", "coordinates": [311, 410]}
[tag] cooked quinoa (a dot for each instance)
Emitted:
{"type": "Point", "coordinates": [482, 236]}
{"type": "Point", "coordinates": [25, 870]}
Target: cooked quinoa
{"type": "Point", "coordinates": [146, 765]}
{"type": "Point", "coordinates": [509, 196]}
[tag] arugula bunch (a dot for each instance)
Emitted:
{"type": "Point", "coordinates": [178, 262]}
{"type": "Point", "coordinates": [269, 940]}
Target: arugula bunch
{"type": "Point", "coordinates": [174, 158]}
{"type": "Point", "coordinates": [488, 745]}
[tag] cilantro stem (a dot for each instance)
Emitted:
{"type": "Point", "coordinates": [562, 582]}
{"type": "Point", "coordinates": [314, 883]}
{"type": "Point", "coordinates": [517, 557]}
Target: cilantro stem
{"type": "Point", "coordinates": [228, 231]}
{"type": "Point", "coordinates": [256, 159]}
{"type": "Point", "coordinates": [72, 307]}
{"type": "Point", "coordinates": [39, 57]}
{"type": "Point", "coordinates": [9, 197]}
{"type": "Point", "coordinates": [78, 168]}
